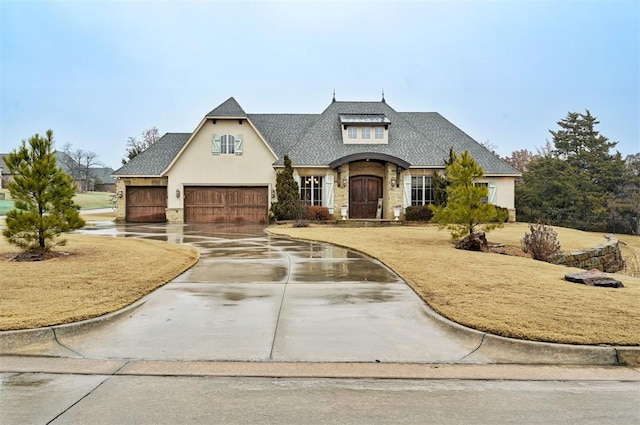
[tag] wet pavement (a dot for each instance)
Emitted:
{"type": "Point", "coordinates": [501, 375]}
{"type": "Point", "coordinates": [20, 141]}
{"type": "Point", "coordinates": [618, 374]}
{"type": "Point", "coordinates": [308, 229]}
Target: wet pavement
{"type": "Point", "coordinates": [265, 329]}
{"type": "Point", "coordinates": [259, 297]}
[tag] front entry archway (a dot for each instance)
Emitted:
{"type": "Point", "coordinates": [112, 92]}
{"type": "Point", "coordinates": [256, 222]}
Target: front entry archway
{"type": "Point", "coordinates": [364, 192]}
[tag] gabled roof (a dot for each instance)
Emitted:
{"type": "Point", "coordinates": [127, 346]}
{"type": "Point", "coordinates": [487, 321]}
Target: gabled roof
{"type": "Point", "coordinates": [229, 108]}
{"type": "Point", "coordinates": [418, 139]}
{"type": "Point", "coordinates": [156, 158]}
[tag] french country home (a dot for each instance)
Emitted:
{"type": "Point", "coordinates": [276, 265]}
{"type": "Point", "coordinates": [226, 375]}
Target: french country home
{"type": "Point", "coordinates": [359, 159]}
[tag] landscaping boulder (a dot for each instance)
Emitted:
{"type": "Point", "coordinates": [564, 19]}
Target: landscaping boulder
{"type": "Point", "coordinates": [475, 241]}
{"type": "Point", "coordinates": [593, 278]}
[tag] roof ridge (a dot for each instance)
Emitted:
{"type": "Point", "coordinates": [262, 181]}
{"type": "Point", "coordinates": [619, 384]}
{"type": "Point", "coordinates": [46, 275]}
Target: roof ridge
{"type": "Point", "coordinates": [228, 108]}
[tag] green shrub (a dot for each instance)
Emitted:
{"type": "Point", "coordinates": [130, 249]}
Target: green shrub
{"type": "Point", "coordinates": [317, 213]}
{"type": "Point", "coordinates": [502, 215]}
{"type": "Point", "coordinates": [418, 213]}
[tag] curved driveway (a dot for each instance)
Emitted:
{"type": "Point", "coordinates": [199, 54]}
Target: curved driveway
{"type": "Point", "coordinates": [257, 297]}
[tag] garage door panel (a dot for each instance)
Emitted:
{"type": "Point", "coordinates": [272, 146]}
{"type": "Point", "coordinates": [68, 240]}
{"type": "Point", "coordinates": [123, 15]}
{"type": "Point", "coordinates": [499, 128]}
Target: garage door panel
{"type": "Point", "coordinates": [226, 204]}
{"type": "Point", "coordinates": [146, 204]}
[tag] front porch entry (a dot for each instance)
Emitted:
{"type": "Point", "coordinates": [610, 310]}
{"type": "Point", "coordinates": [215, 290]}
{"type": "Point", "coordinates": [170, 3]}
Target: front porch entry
{"type": "Point", "coordinates": [364, 192]}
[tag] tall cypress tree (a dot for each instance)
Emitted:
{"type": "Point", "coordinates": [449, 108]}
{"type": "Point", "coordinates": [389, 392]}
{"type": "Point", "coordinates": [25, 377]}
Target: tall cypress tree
{"type": "Point", "coordinates": [43, 195]}
{"type": "Point", "coordinates": [287, 207]}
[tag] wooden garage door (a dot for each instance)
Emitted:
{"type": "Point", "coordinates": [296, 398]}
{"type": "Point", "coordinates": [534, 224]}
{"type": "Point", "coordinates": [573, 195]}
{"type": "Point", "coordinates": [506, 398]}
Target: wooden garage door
{"type": "Point", "coordinates": [146, 204]}
{"type": "Point", "coordinates": [225, 204]}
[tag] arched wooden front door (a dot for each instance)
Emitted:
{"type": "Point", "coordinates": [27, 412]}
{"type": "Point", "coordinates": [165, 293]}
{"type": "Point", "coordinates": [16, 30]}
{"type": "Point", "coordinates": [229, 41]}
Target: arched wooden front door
{"type": "Point", "coordinates": [364, 192]}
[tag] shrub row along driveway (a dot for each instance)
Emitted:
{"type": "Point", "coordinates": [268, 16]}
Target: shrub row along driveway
{"type": "Point", "coordinates": [256, 297]}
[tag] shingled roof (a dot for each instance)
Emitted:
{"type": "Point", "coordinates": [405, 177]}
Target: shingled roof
{"type": "Point", "coordinates": [420, 139]}
{"type": "Point", "coordinates": [156, 158]}
{"type": "Point", "coordinates": [228, 108]}
{"type": "Point", "coordinates": [322, 143]}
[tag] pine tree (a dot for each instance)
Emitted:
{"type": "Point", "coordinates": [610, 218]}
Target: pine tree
{"type": "Point", "coordinates": [43, 195]}
{"type": "Point", "coordinates": [571, 183]}
{"type": "Point", "coordinates": [466, 206]}
{"type": "Point", "coordinates": [287, 207]}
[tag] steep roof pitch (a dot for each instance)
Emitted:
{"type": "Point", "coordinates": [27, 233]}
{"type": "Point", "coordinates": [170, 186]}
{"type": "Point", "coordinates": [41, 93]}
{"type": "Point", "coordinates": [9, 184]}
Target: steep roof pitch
{"type": "Point", "coordinates": [282, 131]}
{"type": "Point", "coordinates": [156, 158]}
{"type": "Point", "coordinates": [447, 135]}
{"type": "Point", "coordinates": [228, 108]}
{"type": "Point", "coordinates": [418, 138]}
{"type": "Point", "coordinates": [322, 143]}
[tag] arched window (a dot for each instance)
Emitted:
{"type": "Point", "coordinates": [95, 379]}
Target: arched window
{"type": "Point", "coordinates": [227, 143]}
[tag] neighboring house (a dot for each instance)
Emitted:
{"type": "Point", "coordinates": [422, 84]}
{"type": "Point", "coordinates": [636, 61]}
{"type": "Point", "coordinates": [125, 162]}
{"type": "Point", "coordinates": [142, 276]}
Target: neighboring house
{"type": "Point", "coordinates": [86, 179]}
{"type": "Point", "coordinates": [102, 180]}
{"type": "Point", "coordinates": [5, 174]}
{"type": "Point", "coordinates": [354, 154]}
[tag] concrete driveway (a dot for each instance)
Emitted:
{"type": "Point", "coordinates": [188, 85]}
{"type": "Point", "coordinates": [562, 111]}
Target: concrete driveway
{"type": "Point", "coordinates": [257, 297]}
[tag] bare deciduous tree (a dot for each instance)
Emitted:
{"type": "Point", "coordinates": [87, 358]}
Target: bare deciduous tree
{"type": "Point", "coordinates": [135, 146]}
{"type": "Point", "coordinates": [78, 163]}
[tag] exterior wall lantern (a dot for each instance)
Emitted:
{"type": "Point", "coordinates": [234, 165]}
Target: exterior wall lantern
{"type": "Point", "coordinates": [393, 181]}
{"type": "Point", "coordinates": [120, 194]}
{"type": "Point", "coordinates": [178, 193]}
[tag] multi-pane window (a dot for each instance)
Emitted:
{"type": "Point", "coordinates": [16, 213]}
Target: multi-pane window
{"type": "Point", "coordinates": [422, 190]}
{"type": "Point", "coordinates": [227, 143]}
{"type": "Point", "coordinates": [353, 133]}
{"type": "Point", "coordinates": [311, 190]}
{"type": "Point", "coordinates": [379, 133]}
{"type": "Point", "coordinates": [366, 133]}
{"type": "Point", "coordinates": [485, 199]}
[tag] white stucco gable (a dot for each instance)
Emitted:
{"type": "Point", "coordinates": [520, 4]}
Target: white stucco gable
{"type": "Point", "coordinates": [221, 152]}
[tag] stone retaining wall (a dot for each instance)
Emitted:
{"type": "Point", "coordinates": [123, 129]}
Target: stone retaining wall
{"type": "Point", "coordinates": [606, 257]}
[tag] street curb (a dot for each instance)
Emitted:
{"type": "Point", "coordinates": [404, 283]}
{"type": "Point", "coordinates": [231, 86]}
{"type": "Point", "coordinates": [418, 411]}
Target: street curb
{"type": "Point", "coordinates": [628, 356]}
{"type": "Point", "coordinates": [25, 339]}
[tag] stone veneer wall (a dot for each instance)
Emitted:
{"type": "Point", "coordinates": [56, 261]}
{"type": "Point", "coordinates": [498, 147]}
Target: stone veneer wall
{"type": "Point", "coordinates": [606, 257]}
{"type": "Point", "coordinates": [121, 187]}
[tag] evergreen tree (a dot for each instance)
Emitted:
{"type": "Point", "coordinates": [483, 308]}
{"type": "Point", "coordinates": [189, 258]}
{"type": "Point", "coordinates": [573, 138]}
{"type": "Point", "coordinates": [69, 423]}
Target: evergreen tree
{"type": "Point", "coordinates": [43, 195]}
{"type": "Point", "coordinates": [624, 205]}
{"type": "Point", "coordinates": [570, 184]}
{"type": "Point", "coordinates": [287, 207]}
{"type": "Point", "coordinates": [466, 206]}
{"type": "Point", "coordinates": [440, 182]}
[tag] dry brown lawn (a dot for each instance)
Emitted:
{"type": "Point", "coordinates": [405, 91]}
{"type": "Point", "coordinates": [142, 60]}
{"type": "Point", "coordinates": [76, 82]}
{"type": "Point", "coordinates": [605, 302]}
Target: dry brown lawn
{"type": "Point", "coordinates": [504, 295]}
{"type": "Point", "coordinates": [100, 275]}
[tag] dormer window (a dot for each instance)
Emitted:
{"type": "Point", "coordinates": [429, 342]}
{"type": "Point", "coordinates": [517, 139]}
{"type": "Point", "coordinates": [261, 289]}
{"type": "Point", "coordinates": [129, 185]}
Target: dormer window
{"type": "Point", "coordinates": [365, 128]}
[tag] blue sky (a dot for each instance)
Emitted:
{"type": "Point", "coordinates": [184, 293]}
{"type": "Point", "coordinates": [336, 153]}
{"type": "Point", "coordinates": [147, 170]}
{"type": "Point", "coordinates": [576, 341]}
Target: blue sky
{"type": "Point", "coordinates": [505, 72]}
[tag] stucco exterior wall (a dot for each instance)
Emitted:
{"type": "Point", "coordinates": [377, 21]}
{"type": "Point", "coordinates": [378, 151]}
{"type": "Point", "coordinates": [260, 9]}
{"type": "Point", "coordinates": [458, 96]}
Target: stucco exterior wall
{"type": "Point", "coordinates": [197, 166]}
{"type": "Point", "coordinates": [505, 191]}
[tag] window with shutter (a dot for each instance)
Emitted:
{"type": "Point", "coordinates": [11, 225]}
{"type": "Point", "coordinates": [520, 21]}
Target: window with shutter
{"type": "Point", "coordinates": [238, 145]}
{"type": "Point", "coordinates": [215, 145]}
